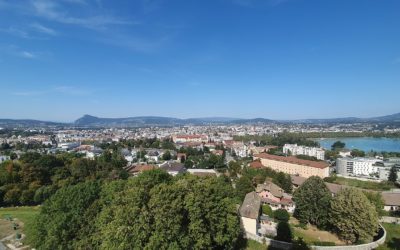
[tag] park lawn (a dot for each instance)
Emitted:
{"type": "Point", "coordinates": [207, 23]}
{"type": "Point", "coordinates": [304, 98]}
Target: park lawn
{"type": "Point", "coordinates": [21, 215]}
{"type": "Point", "coordinates": [377, 186]}
{"type": "Point", "coordinates": [313, 234]}
{"type": "Point", "coordinates": [392, 237]}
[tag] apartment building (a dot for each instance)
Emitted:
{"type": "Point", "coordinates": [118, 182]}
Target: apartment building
{"type": "Point", "coordinates": [294, 149]}
{"type": "Point", "coordinates": [356, 166]}
{"type": "Point", "coordinates": [294, 166]}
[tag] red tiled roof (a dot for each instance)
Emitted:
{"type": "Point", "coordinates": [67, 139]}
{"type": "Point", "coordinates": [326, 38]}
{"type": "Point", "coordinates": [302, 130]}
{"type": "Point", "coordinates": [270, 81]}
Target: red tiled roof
{"type": "Point", "coordinates": [141, 168]}
{"type": "Point", "coordinates": [293, 160]}
{"type": "Point", "coordinates": [256, 164]}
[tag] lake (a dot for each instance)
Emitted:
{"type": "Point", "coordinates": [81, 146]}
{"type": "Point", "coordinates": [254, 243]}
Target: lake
{"type": "Point", "coordinates": [364, 143]}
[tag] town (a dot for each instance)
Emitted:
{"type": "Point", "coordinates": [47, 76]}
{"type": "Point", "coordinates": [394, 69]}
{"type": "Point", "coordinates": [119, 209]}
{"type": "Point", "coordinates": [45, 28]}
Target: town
{"type": "Point", "coordinates": [266, 165]}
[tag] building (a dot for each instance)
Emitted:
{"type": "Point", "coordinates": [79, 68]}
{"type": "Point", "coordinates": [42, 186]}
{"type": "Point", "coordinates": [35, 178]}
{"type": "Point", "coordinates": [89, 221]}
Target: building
{"type": "Point", "coordinates": [141, 168]}
{"type": "Point", "coordinates": [249, 213]}
{"type": "Point", "coordinates": [356, 166]}
{"type": "Point", "coordinates": [294, 149]}
{"type": "Point", "coordinates": [203, 172]}
{"type": "Point", "coordinates": [391, 200]}
{"type": "Point", "coordinates": [275, 197]}
{"type": "Point", "coordinates": [189, 138]}
{"type": "Point", "coordinates": [294, 166]}
{"type": "Point", "coordinates": [173, 168]}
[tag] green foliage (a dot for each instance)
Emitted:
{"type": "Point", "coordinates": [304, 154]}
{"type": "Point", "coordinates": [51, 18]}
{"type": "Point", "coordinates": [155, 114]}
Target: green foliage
{"type": "Point", "coordinates": [35, 177]}
{"type": "Point", "coordinates": [393, 174]}
{"type": "Point", "coordinates": [300, 244]}
{"type": "Point", "coordinates": [279, 140]}
{"type": "Point", "coordinates": [283, 232]}
{"type": "Point", "coordinates": [377, 186]}
{"type": "Point", "coordinates": [243, 186]}
{"type": "Point", "coordinates": [281, 215]}
{"type": "Point", "coordinates": [312, 202]}
{"type": "Point", "coordinates": [150, 211]}
{"type": "Point", "coordinates": [284, 181]}
{"type": "Point", "coordinates": [338, 145]}
{"type": "Point", "coordinates": [376, 199]}
{"type": "Point", "coordinates": [62, 216]}
{"type": "Point", "coordinates": [353, 217]}
{"type": "Point", "coordinates": [167, 156]}
{"type": "Point", "coordinates": [267, 210]}
{"type": "Point", "coordinates": [357, 153]}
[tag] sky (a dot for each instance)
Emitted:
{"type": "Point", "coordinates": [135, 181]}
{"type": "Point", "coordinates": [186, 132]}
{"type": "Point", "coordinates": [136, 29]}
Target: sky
{"type": "Point", "coordinates": [277, 59]}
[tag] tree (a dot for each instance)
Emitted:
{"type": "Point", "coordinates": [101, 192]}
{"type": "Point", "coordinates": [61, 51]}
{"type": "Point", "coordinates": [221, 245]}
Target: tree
{"type": "Point", "coordinates": [243, 186]}
{"type": "Point", "coordinates": [353, 217]}
{"type": "Point", "coordinates": [283, 232]}
{"type": "Point", "coordinates": [187, 213]}
{"type": "Point", "coordinates": [313, 202]}
{"type": "Point", "coordinates": [357, 153]}
{"type": "Point", "coordinates": [284, 181]}
{"type": "Point", "coordinates": [376, 199]}
{"type": "Point", "coordinates": [167, 156]}
{"type": "Point", "coordinates": [63, 215]}
{"type": "Point", "coordinates": [281, 215]}
{"type": "Point", "coordinates": [393, 174]}
{"type": "Point", "coordinates": [338, 145]}
{"type": "Point", "coordinates": [267, 210]}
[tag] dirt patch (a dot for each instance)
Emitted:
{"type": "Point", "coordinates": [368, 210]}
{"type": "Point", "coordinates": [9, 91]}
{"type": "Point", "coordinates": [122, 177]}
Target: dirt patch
{"type": "Point", "coordinates": [313, 234]}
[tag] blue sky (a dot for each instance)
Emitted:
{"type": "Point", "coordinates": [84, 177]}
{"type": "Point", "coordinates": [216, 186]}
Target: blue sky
{"type": "Point", "coordinates": [279, 59]}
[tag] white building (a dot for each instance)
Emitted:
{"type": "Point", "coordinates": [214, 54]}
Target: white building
{"type": "Point", "coordinates": [356, 166]}
{"type": "Point", "coordinates": [294, 149]}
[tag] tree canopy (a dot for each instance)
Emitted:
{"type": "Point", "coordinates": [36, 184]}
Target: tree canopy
{"type": "Point", "coordinates": [353, 217]}
{"type": "Point", "coordinates": [153, 210]}
{"type": "Point", "coordinates": [312, 202]}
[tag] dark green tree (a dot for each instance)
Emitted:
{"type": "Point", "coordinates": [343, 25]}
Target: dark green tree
{"type": "Point", "coordinates": [393, 174]}
{"type": "Point", "coordinates": [283, 232]}
{"type": "Point", "coordinates": [353, 217]}
{"type": "Point", "coordinates": [338, 145]}
{"type": "Point", "coordinates": [313, 202]}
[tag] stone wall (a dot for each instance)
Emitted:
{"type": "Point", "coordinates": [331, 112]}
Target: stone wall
{"type": "Point", "coordinates": [286, 246]}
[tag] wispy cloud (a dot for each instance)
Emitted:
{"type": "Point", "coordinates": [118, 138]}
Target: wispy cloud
{"type": "Point", "coordinates": [27, 54]}
{"type": "Point", "coordinates": [29, 93]}
{"type": "Point", "coordinates": [51, 10]}
{"type": "Point", "coordinates": [13, 50]}
{"type": "Point", "coordinates": [397, 60]}
{"type": "Point", "coordinates": [43, 29]}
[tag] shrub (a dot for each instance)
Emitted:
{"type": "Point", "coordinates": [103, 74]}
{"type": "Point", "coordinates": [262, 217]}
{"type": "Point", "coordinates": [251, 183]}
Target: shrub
{"type": "Point", "coordinates": [281, 215]}
{"type": "Point", "coordinates": [266, 209]}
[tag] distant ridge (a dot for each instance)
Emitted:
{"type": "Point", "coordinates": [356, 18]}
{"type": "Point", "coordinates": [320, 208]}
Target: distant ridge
{"type": "Point", "coordinates": [139, 121]}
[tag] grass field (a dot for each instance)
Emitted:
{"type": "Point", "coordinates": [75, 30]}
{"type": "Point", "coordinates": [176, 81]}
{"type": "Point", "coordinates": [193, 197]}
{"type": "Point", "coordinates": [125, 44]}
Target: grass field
{"type": "Point", "coordinates": [312, 234]}
{"type": "Point", "coordinates": [377, 186]}
{"type": "Point", "coordinates": [392, 237]}
{"type": "Point", "coordinates": [20, 215]}
{"type": "Point", "coordinates": [254, 245]}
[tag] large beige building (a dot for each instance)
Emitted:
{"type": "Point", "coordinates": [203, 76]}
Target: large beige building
{"type": "Point", "coordinates": [294, 166]}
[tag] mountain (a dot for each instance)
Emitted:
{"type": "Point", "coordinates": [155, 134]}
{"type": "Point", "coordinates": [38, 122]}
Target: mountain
{"type": "Point", "coordinates": [88, 120]}
{"type": "Point", "coordinates": [26, 123]}
{"type": "Point", "coordinates": [140, 121]}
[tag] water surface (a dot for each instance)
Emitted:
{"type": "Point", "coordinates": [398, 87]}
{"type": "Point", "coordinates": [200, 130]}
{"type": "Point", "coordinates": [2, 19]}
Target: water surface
{"type": "Point", "coordinates": [364, 143]}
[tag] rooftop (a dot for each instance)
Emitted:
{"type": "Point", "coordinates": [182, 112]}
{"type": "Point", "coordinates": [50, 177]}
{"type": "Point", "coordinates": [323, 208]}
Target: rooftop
{"type": "Point", "coordinates": [293, 160]}
{"type": "Point", "coordinates": [251, 206]}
